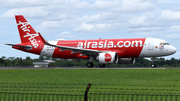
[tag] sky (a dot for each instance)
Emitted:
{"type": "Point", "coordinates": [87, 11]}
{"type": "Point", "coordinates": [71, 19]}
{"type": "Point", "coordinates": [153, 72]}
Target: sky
{"type": "Point", "coordinates": [91, 19]}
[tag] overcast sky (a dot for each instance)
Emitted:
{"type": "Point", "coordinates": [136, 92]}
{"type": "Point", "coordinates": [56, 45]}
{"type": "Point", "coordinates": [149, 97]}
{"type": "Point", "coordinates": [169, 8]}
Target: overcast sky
{"type": "Point", "coordinates": [91, 19]}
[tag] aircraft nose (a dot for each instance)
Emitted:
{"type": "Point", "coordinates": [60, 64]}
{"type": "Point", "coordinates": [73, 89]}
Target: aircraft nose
{"type": "Point", "coordinates": [173, 50]}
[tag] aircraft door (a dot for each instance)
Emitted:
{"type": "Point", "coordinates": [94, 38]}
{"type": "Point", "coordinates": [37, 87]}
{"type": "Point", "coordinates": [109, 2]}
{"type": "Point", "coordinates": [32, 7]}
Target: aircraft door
{"type": "Point", "coordinates": [150, 44]}
{"type": "Point", "coordinates": [43, 52]}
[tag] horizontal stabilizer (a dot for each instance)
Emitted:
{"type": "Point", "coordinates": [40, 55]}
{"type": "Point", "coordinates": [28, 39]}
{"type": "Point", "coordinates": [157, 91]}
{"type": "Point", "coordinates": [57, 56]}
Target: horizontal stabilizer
{"type": "Point", "coordinates": [25, 47]}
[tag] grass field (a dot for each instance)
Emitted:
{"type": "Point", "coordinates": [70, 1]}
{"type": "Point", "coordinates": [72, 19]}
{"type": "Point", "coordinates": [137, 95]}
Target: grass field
{"type": "Point", "coordinates": [61, 81]}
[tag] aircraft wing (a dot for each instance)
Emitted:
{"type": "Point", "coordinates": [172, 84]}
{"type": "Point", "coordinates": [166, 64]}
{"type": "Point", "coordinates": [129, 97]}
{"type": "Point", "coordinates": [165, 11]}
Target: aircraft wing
{"type": "Point", "coordinates": [73, 49]}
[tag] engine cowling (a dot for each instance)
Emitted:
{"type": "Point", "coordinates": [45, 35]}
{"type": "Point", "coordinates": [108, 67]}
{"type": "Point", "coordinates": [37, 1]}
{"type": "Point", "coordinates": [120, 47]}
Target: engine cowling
{"type": "Point", "coordinates": [126, 60]}
{"type": "Point", "coordinates": [108, 57]}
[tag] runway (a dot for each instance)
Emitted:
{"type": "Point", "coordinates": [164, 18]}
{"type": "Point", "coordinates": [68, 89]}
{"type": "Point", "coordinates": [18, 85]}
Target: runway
{"type": "Point", "coordinates": [4, 68]}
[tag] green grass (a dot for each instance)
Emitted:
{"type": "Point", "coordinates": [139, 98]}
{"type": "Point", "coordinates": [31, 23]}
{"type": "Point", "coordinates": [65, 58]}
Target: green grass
{"type": "Point", "coordinates": [61, 81]}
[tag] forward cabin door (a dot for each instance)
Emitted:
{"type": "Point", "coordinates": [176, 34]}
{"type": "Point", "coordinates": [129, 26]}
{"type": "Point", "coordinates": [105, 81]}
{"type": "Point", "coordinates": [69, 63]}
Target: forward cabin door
{"type": "Point", "coordinates": [150, 44]}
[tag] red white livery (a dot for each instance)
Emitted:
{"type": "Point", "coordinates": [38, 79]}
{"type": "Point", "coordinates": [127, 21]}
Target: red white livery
{"type": "Point", "coordinates": [106, 51]}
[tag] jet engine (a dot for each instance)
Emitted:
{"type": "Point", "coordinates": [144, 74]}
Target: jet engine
{"type": "Point", "coordinates": [107, 57]}
{"type": "Point", "coordinates": [126, 60]}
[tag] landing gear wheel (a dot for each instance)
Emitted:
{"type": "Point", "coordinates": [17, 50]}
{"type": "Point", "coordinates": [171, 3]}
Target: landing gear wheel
{"type": "Point", "coordinates": [89, 64]}
{"type": "Point", "coordinates": [152, 66]}
{"type": "Point", "coordinates": [152, 62]}
{"type": "Point", "coordinates": [102, 65]}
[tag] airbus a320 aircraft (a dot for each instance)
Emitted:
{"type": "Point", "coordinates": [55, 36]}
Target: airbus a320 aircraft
{"type": "Point", "coordinates": [105, 51]}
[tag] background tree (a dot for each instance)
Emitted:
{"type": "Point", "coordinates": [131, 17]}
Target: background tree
{"type": "Point", "coordinates": [2, 62]}
{"type": "Point", "coordinates": [140, 62]}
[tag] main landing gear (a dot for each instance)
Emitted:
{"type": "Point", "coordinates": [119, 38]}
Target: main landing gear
{"type": "Point", "coordinates": [90, 64]}
{"type": "Point", "coordinates": [102, 65]}
{"type": "Point", "coordinates": [152, 62]}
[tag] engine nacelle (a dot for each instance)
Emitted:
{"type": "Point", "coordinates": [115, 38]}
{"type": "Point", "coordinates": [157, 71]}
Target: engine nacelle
{"type": "Point", "coordinates": [126, 60]}
{"type": "Point", "coordinates": [108, 57]}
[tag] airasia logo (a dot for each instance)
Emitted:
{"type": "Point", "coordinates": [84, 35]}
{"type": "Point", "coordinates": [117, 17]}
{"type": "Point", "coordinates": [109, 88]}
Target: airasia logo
{"type": "Point", "coordinates": [109, 44]}
{"type": "Point", "coordinates": [26, 29]}
{"type": "Point", "coordinates": [107, 57]}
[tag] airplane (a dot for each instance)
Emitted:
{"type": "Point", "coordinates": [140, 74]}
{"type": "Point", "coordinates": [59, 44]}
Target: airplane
{"type": "Point", "coordinates": [105, 51]}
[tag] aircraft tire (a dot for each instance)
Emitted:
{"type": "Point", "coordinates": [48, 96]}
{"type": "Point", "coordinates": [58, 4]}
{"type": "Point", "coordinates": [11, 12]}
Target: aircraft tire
{"type": "Point", "coordinates": [89, 64]}
{"type": "Point", "coordinates": [102, 65]}
{"type": "Point", "coordinates": [153, 66]}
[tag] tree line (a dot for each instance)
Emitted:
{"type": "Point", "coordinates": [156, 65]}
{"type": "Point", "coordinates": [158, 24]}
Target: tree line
{"type": "Point", "coordinates": [28, 62]}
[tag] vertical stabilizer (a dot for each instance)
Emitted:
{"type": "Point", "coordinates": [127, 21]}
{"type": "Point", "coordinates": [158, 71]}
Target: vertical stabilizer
{"type": "Point", "coordinates": [26, 32]}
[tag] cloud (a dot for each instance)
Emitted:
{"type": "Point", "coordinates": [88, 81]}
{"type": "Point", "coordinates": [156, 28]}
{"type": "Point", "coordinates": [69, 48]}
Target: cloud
{"type": "Point", "coordinates": [60, 16]}
{"type": "Point", "coordinates": [102, 5]}
{"type": "Point", "coordinates": [174, 36]}
{"type": "Point", "coordinates": [138, 21]}
{"type": "Point", "coordinates": [104, 17]}
{"type": "Point", "coordinates": [85, 27]}
{"type": "Point", "coordinates": [123, 6]}
{"type": "Point", "coordinates": [65, 34]}
{"type": "Point", "coordinates": [146, 22]}
{"type": "Point", "coordinates": [136, 6]}
{"type": "Point", "coordinates": [94, 23]}
{"type": "Point", "coordinates": [44, 8]}
{"type": "Point", "coordinates": [48, 26]}
{"type": "Point", "coordinates": [175, 27]}
{"type": "Point", "coordinates": [70, 14]}
{"type": "Point", "coordinates": [78, 4]}
{"type": "Point", "coordinates": [83, 16]}
{"type": "Point", "coordinates": [27, 3]}
{"type": "Point", "coordinates": [168, 1]}
{"type": "Point", "coordinates": [170, 15]}
{"type": "Point", "coordinates": [36, 12]}
{"type": "Point", "coordinates": [145, 29]}
{"type": "Point", "coordinates": [93, 27]}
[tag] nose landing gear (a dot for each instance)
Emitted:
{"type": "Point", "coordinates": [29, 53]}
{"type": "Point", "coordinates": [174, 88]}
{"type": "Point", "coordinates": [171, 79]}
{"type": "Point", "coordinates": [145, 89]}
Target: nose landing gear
{"type": "Point", "coordinates": [152, 62]}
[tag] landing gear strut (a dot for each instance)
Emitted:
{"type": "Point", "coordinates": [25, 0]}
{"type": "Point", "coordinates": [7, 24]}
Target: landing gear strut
{"type": "Point", "coordinates": [90, 64]}
{"type": "Point", "coordinates": [152, 62]}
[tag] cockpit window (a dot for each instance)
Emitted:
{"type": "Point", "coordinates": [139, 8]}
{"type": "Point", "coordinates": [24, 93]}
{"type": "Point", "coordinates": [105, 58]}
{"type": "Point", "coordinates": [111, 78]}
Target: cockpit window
{"type": "Point", "coordinates": [164, 43]}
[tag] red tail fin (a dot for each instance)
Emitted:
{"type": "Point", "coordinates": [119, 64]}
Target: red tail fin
{"type": "Point", "coordinates": [26, 32]}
